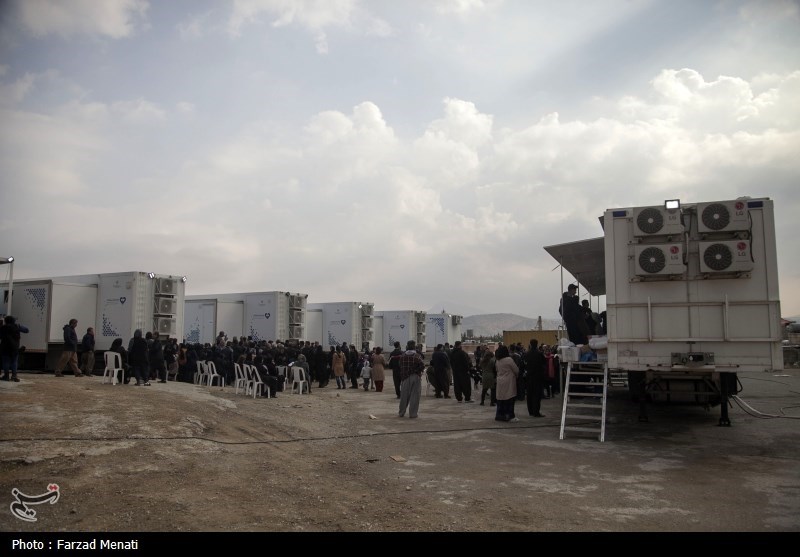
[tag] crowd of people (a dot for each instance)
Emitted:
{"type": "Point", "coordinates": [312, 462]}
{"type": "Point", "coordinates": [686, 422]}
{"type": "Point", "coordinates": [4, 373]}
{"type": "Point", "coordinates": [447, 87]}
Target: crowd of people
{"type": "Point", "coordinates": [507, 374]}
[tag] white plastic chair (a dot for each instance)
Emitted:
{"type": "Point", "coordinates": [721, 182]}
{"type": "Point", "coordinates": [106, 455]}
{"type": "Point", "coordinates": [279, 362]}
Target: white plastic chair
{"type": "Point", "coordinates": [212, 375]}
{"type": "Point", "coordinates": [242, 379]}
{"type": "Point", "coordinates": [113, 364]}
{"type": "Point", "coordinates": [299, 379]}
{"type": "Point", "coordinates": [256, 384]}
{"type": "Point", "coordinates": [283, 371]}
{"type": "Point", "coordinates": [199, 376]}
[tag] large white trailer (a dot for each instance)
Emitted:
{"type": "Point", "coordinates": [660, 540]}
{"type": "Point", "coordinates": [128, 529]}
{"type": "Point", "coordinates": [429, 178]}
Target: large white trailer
{"type": "Point", "coordinates": [442, 328]}
{"type": "Point", "coordinates": [402, 326]}
{"type": "Point", "coordinates": [350, 322]}
{"type": "Point", "coordinates": [691, 296]}
{"type": "Point", "coordinates": [114, 304]}
{"type": "Point", "coordinates": [204, 318]}
{"type": "Point", "coordinates": [45, 306]}
{"type": "Point", "coordinates": [138, 300]}
{"type": "Point", "coordinates": [273, 315]}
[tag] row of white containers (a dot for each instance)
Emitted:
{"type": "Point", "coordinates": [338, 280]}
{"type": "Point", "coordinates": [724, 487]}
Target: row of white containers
{"type": "Point", "coordinates": [284, 315]}
{"type": "Point", "coordinates": [116, 304]}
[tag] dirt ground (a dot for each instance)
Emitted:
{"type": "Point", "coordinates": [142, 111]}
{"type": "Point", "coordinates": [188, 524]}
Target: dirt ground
{"type": "Point", "coordinates": [178, 457]}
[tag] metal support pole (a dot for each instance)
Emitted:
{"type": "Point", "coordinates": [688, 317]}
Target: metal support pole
{"type": "Point", "coordinates": [10, 261]}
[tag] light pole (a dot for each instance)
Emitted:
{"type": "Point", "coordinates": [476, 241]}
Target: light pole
{"type": "Point", "coordinates": [9, 261]}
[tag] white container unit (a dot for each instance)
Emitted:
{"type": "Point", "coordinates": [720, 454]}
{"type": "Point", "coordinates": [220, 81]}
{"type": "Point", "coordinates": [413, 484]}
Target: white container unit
{"type": "Point", "coordinates": [314, 326]}
{"type": "Point", "coordinates": [275, 316]}
{"type": "Point", "coordinates": [138, 300]}
{"type": "Point", "coordinates": [402, 326]}
{"type": "Point", "coordinates": [261, 316]}
{"type": "Point", "coordinates": [350, 322]}
{"type": "Point", "coordinates": [691, 296]}
{"type": "Point", "coordinates": [205, 317]}
{"type": "Point", "coordinates": [716, 303]}
{"type": "Point", "coordinates": [44, 306]}
{"type": "Point", "coordinates": [442, 328]}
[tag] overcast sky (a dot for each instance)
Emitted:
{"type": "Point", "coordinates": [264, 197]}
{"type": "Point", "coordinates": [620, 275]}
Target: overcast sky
{"type": "Point", "coordinates": [410, 154]}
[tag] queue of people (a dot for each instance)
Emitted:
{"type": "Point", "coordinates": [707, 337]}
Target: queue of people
{"type": "Point", "coordinates": [507, 375]}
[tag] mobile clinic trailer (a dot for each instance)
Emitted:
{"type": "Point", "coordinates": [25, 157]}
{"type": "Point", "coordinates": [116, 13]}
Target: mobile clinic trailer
{"type": "Point", "coordinates": [442, 328]}
{"type": "Point", "coordinates": [205, 316]}
{"type": "Point", "coordinates": [402, 326]}
{"type": "Point", "coordinates": [261, 316]}
{"type": "Point", "coordinates": [691, 295]}
{"type": "Point", "coordinates": [44, 306]}
{"type": "Point", "coordinates": [114, 304]}
{"type": "Point", "coordinates": [350, 322]}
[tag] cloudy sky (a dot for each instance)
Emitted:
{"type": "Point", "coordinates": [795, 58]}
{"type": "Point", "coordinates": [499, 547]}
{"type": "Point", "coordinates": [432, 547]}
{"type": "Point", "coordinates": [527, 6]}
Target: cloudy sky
{"type": "Point", "coordinates": [410, 154]}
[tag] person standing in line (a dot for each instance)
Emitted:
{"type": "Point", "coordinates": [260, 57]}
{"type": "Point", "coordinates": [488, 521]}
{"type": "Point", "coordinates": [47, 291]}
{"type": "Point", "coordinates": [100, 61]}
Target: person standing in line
{"type": "Point", "coordinates": [507, 372]}
{"type": "Point", "coordinates": [441, 363]}
{"type": "Point", "coordinates": [394, 363]}
{"type": "Point", "coordinates": [534, 378]}
{"type": "Point", "coordinates": [411, 368]}
{"type": "Point", "coordinates": [87, 346]}
{"type": "Point", "coordinates": [461, 364]}
{"type": "Point", "coordinates": [70, 354]}
{"type": "Point", "coordinates": [157, 363]}
{"type": "Point", "coordinates": [138, 358]}
{"type": "Point", "coordinates": [366, 371]}
{"type": "Point", "coordinates": [9, 346]}
{"type": "Point", "coordinates": [488, 377]}
{"type": "Point", "coordinates": [378, 369]}
{"type": "Point", "coordinates": [338, 362]}
{"type": "Point", "coordinates": [321, 362]}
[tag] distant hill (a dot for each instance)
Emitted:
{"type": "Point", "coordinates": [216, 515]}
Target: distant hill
{"type": "Point", "coordinates": [495, 323]}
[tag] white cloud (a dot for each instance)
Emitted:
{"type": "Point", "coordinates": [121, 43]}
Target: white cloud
{"type": "Point", "coordinates": [315, 16]}
{"type": "Point", "coordinates": [13, 93]}
{"type": "Point", "coordinates": [111, 18]}
{"type": "Point", "coordinates": [465, 7]}
{"type": "Point", "coordinates": [139, 111]}
{"type": "Point", "coordinates": [755, 11]}
{"type": "Point", "coordinates": [459, 199]}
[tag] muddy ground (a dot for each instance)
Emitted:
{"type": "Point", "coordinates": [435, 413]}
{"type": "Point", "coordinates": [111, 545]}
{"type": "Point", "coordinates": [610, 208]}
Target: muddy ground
{"type": "Point", "coordinates": [178, 457]}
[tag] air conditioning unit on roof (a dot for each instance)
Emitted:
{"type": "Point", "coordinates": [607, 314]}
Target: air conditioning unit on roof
{"type": "Point", "coordinates": [166, 306]}
{"type": "Point", "coordinates": [167, 286]}
{"type": "Point", "coordinates": [367, 322]}
{"type": "Point", "coordinates": [659, 260]}
{"type": "Point", "coordinates": [657, 221]}
{"type": "Point", "coordinates": [723, 216]}
{"type": "Point", "coordinates": [165, 325]}
{"type": "Point", "coordinates": [367, 309]}
{"type": "Point", "coordinates": [456, 320]}
{"type": "Point", "coordinates": [296, 316]}
{"type": "Point", "coordinates": [732, 256]}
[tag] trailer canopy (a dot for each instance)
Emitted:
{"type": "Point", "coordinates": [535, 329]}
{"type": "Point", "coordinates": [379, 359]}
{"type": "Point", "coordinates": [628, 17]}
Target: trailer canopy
{"type": "Point", "coordinates": [585, 260]}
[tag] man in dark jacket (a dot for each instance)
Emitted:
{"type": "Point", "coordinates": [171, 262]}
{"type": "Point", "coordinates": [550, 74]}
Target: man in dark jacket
{"type": "Point", "coordinates": [157, 359]}
{"type": "Point", "coordinates": [534, 378]}
{"type": "Point", "coordinates": [461, 364]}
{"type": "Point", "coordinates": [441, 363]}
{"type": "Point", "coordinates": [70, 354]}
{"type": "Point", "coordinates": [87, 347]}
{"type": "Point", "coordinates": [9, 346]}
{"type": "Point", "coordinates": [394, 363]}
{"type": "Point", "coordinates": [138, 356]}
{"type": "Point", "coordinates": [570, 310]}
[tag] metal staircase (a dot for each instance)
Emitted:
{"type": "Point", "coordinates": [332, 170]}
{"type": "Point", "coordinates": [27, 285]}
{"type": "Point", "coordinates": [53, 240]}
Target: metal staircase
{"type": "Point", "coordinates": [585, 393]}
